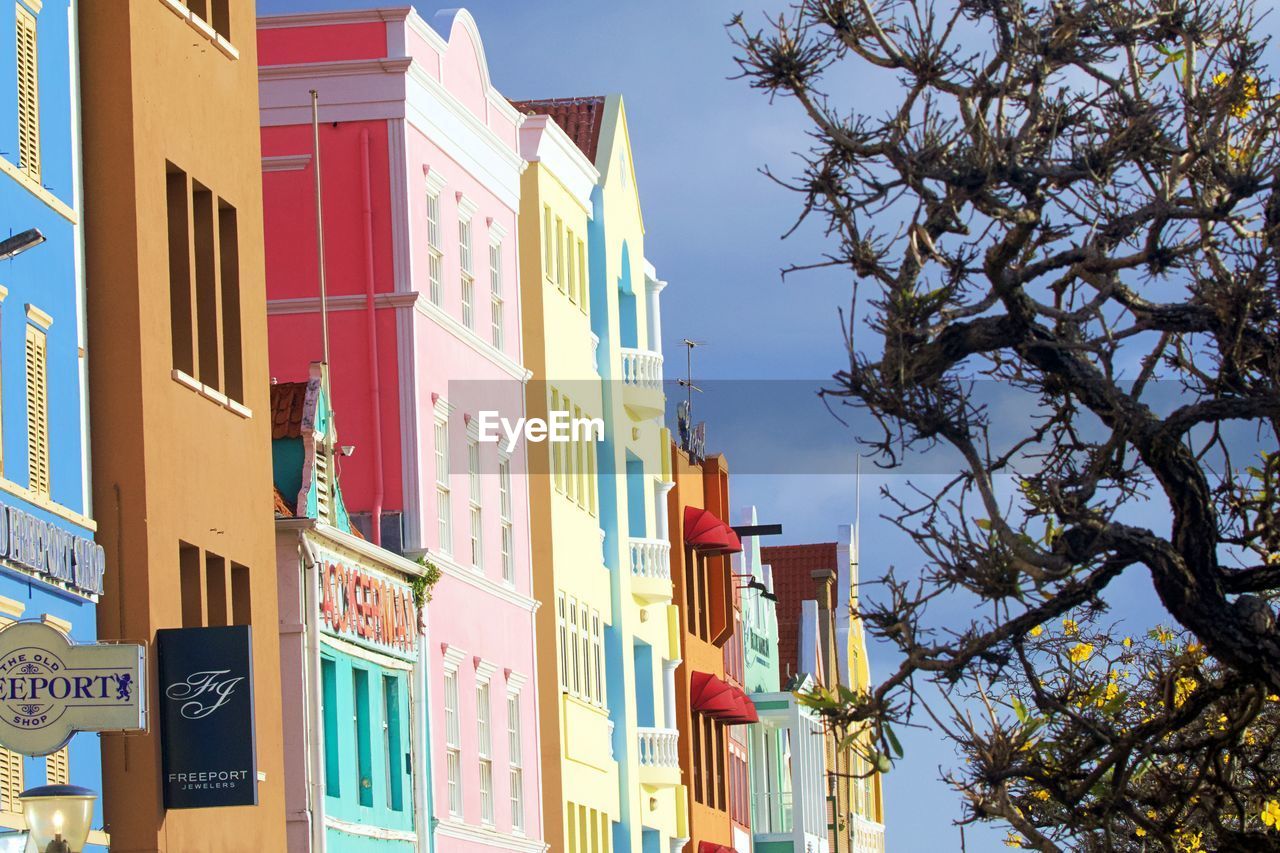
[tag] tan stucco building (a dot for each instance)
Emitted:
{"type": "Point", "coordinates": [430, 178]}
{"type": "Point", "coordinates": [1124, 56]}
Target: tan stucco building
{"type": "Point", "coordinates": [176, 323]}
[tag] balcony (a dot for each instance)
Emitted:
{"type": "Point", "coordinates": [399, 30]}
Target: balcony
{"type": "Point", "coordinates": [659, 756]}
{"type": "Point", "coordinates": [642, 383]}
{"type": "Point", "coordinates": [650, 570]}
{"type": "Point", "coordinates": [867, 835]}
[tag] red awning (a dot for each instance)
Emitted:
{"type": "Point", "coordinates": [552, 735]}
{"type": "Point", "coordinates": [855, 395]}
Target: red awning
{"type": "Point", "coordinates": [711, 695]}
{"type": "Point", "coordinates": [712, 847]}
{"type": "Point", "coordinates": [717, 698]}
{"type": "Point", "coordinates": [707, 533]}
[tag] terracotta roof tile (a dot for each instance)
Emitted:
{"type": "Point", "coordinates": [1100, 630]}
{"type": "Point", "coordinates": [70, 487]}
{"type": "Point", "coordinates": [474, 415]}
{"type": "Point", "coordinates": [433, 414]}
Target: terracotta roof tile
{"type": "Point", "coordinates": [288, 403]}
{"type": "Point", "coordinates": [792, 584]}
{"type": "Point", "coordinates": [580, 118]}
{"type": "Point", "coordinates": [282, 505]}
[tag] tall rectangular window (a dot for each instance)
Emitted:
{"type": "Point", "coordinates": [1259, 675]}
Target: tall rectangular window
{"type": "Point", "coordinates": [363, 735]}
{"type": "Point", "coordinates": [583, 297]}
{"type": "Point", "coordinates": [28, 96]}
{"type": "Point", "coordinates": [37, 412]}
{"type": "Point", "coordinates": [207, 337]}
{"type": "Point", "coordinates": [592, 485]}
{"type": "Point", "coordinates": [484, 752]}
{"type": "Point", "coordinates": [392, 746]}
{"type": "Point", "coordinates": [584, 640]}
{"type": "Point", "coordinates": [181, 316]}
{"type": "Point", "coordinates": [452, 742]}
{"type": "Point", "coordinates": [557, 448]}
{"type": "Point", "coordinates": [570, 460]}
{"type": "Point", "coordinates": [563, 626]}
{"type": "Point", "coordinates": [229, 271]}
{"type": "Point", "coordinates": [516, 761]}
{"type": "Point", "coordinates": [575, 681]}
{"type": "Point", "coordinates": [504, 517]}
{"type": "Point", "coordinates": [468, 275]}
{"type": "Point", "coordinates": [496, 335]}
{"type": "Point", "coordinates": [329, 711]}
{"type": "Point", "coordinates": [570, 258]}
{"type": "Point", "coordinates": [435, 257]}
{"type": "Point", "coordinates": [597, 657]}
{"type": "Point", "coordinates": [444, 516]}
{"type": "Point", "coordinates": [579, 463]}
{"type": "Point", "coordinates": [560, 253]}
{"type": "Point", "coordinates": [190, 585]}
{"type": "Point", "coordinates": [476, 514]}
{"type": "Point", "coordinates": [548, 244]}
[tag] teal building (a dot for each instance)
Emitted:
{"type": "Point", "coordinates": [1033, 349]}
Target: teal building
{"type": "Point", "coordinates": [352, 663]}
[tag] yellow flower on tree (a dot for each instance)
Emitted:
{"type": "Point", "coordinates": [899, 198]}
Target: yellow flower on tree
{"type": "Point", "coordinates": [1271, 814]}
{"type": "Point", "coordinates": [1080, 652]}
{"type": "Point", "coordinates": [1182, 690]}
{"type": "Point", "coordinates": [1036, 631]}
{"type": "Point", "coordinates": [1070, 628]}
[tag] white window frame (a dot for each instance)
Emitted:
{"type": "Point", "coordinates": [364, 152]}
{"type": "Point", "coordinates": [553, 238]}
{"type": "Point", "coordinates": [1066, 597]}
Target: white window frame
{"type": "Point", "coordinates": [515, 761]}
{"type": "Point", "coordinates": [497, 309]}
{"type": "Point", "coordinates": [452, 740]}
{"type": "Point", "coordinates": [444, 507]}
{"type": "Point", "coordinates": [505, 522]}
{"type": "Point", "coordinates": [475, 497]}
{"type": "Point", "coordinates": [484, 748]}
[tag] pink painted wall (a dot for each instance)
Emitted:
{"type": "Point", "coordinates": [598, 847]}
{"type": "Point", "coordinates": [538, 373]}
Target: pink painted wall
{"type": "Point", "coordinates": [463, 615]}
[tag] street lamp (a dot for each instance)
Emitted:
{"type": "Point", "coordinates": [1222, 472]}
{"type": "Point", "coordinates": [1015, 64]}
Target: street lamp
{"type": "Point", "coordinates": [58, 817]}
{"type": "Point", "coordinates": [19, 243]}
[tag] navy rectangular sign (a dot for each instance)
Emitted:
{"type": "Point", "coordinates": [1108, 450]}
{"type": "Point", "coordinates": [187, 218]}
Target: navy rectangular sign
{"type": "Point", "coordinates": [206, 717]}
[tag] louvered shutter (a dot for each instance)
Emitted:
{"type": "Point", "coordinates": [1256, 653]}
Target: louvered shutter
{"type": "Point", "coordinates": [57, 768]}
{"type": "Point", "coordinates": [11, 783]}
{"type": "Point", "coordinates": [37, 414]}
{"type": "Point", "coordinates": [28, 96]}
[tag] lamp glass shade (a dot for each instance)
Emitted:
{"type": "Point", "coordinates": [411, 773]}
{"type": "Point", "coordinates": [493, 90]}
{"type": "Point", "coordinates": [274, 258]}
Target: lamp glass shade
{"type": "Point", "coordinates": [58, 813]}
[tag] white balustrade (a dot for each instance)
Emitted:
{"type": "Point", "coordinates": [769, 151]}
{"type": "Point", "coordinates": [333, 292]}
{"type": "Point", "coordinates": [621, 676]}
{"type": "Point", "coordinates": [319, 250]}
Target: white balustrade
{"type": "Point", "coordinates": [642, 368]}
{"type": "Point", "coordinates": [658, 747]}
{"type": "Point", "coordinates": [868, 836]}
{"type": "Point", "coordinates": [651, 558]}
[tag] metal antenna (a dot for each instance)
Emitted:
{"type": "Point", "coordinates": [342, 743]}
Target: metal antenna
{"type": "Point", "coordinates": [687, 382]}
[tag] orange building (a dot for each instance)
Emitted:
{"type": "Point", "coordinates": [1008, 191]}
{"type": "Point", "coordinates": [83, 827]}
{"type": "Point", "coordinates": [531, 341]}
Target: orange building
{"type": "Point", "coordinates": [176, 321]}
{"type": "Point", "coordinates": [708, 704]}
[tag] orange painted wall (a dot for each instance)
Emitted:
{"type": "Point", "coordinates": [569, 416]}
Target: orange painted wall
{"type": "Point", "coordinates": [171, 464]}
{"type": "Point", "coordinates": [705, 486]}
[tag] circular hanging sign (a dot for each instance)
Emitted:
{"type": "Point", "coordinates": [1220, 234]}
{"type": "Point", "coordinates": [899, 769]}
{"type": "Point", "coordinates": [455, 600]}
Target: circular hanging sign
{"type": "Point", "coordinates": [51, 688]}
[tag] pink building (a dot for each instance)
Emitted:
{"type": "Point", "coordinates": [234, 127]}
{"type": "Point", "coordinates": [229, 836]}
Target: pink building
{"type": "Point", "coordinates": [421, 174]}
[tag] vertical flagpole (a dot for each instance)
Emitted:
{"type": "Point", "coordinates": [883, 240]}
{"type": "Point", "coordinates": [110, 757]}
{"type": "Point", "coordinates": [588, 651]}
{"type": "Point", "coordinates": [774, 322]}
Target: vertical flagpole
{"type": "Point", "coordinates": [324, 301]}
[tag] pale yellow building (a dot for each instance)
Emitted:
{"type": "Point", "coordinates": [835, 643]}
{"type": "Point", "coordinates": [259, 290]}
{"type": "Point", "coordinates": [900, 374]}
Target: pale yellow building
{"type": "Point", "coordinates": [601, 556]}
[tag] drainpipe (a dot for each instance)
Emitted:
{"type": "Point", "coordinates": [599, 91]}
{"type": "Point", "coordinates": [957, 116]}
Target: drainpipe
{"type": "Point", "coordinates": [375, 388]}
{"type": "Point", "coordinates": [310, 569]}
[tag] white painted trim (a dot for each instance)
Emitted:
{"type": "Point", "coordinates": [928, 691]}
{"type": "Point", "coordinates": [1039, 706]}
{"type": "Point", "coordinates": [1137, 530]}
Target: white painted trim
{"type": "Point", "coordinates": [515, 683]}
{"type": "Point", "coordinates": [497, 232]}
{"type": "Point", "coordinates": [450, 828]}
{"type": "Point", "coordinates": [401, 232]}
{"type": "Point", "coordinates": [470, 577]}
{"type": "Point", "coordinates": [286, 163]}
{"type": "Point", "coordinates": [389, 65]}
{"type": "Point", "coordinates": [500, 359]}
{"type": "Point", "coordinates": [35, 188]}
{"type": "Point", "coordinates": [367, 831]}
{"type": "Point", "coordinates": [382, 559]}
{"type": "Point", "coordinates": [368, 655]}
{"type": "Point", "coordinates": [39, 317]}
{"type": "Point", "coordinates": [453, 657]}
{"type": "Point", "coordinates": [320, 19]}
{"type": "Point", "coordinates": [485, 669]}
{"type": "Point", "coordinates": [436, 182]}
{"type": "Point", "coordinates": [467, 208]}
{"type": "Point", "coordinates": [544, 141]}
{"type": "Point", "coordinates": [351, 302]}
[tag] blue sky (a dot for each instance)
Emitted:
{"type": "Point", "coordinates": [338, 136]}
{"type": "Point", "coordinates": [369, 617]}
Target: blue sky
{"type": "Point", "coordinates": [713, 227]}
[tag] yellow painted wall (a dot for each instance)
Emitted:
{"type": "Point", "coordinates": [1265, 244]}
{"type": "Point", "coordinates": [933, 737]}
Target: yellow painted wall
{"type": "Point", "coordinates": [580, 782]}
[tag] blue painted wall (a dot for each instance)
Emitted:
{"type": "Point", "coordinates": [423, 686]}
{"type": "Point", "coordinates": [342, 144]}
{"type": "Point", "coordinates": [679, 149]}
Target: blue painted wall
{"type": "Point", "coordinates": [48, 277]}
{"type": "Point", "coordinates": [363, 776]}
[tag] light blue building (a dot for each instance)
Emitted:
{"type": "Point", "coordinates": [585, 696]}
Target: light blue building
{"type": "Point", "coordinates": [44, 441]}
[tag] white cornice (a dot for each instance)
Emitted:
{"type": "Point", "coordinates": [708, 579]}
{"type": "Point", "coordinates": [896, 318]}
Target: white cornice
{"type": "Point", "coordinates": [320, 19]}
{"type": "Point", "coordinates": [544, 141]}
{"type": "Point", "coordinates": [286, 163]}
{"type": "Point", "coordinates": [515, 681]}
{"type": "Point", "coordinates": [435, 181]}
{"type": "Point", "coordinates": [335, 68]}
{"type": "Point", "coordinates": [384, 559]}
{"type": "Point", "coordinates": [462, 136]}
{"type": "Point", "coordinates": [351, 302]}
{"type": "Point", "coordinates": [453, 656]}
{"type": "Point", "coordinates": [466, 207]}
{"type": "Point", "coordinates": [448, 828]}
{"type": "Point", "coordinates": [500, 359]}
{"type": "Point", "coordinates": [450, 569]}
{"type": "Point", "coordinates": [485, 669]}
